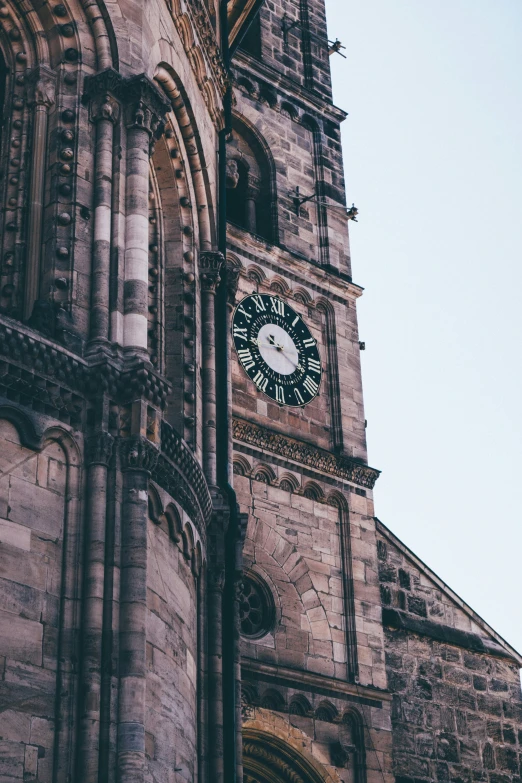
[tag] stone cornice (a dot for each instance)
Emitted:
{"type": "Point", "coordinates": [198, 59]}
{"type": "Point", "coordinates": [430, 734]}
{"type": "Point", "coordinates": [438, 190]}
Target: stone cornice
{"type": "Point", "coordinates": [326, 281]}
{"type": "Point", "coordinates": [288, 88]}
{"type": "Point", "coordinates": [305, 454]}
{"type": "Point", "coordinates": [319, 683]}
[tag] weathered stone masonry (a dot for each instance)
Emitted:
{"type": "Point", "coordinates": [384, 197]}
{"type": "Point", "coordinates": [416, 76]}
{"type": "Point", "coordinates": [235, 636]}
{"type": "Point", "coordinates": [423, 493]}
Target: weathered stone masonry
{"type": "Point", "coordinates": [193, 582]}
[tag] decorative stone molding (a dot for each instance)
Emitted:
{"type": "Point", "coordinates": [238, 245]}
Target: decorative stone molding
{"type": "Point", "coordinates": [145, 105]}
{"type": "Point", "coordinates": [138, 453]}
{"type": "Point", "coordinates": [305, 454]}
{"type": "Point", "coordinates": [210, 266]}
{"type": "Point", "coordinates": [98, 449]}
{"type": "Point", "coordinates": [209, 42]}
{"type": "Point", "coordinates": [266, 756]}
{"type": "Point", "coordinates": [41, 86]}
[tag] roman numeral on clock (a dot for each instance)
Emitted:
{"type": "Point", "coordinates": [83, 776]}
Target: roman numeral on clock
{"type": "Point", "coordinates": [241, 332]}
{"type": "Point", "coordinates": [314, 365]}
{"type": "Point", "coordinates": [260, 381]}
{"type": "Point", "coordinates": [298, 396]}
{"type": "Point", "coordinates": [247, 315]}
{"type": "Point", "coordinates": [246, 358]}
{"type": "Point", "coordinates": [260, 305]}
{"type": "Point", "coordinates": [310, 385]}
{"type": "Point", "coordinates": [280, 394]}
{"type": "Point", "coordinates": [309, 342]}
{"type": "Point", "coordinates": [278, 307]}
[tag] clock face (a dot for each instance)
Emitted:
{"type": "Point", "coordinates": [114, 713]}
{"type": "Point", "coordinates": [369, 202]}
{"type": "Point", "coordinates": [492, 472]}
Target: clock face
{"type": "Point", "coordinates": [276, 349]}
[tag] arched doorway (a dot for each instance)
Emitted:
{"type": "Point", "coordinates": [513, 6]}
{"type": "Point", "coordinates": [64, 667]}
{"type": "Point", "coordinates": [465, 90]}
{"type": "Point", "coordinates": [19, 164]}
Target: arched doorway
{"type": "Point", "coordinates": [269, 759]}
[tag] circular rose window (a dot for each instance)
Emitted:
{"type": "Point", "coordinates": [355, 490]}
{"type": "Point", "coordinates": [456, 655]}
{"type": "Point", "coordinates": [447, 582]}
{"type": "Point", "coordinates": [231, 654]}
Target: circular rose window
{"type": "Point", "coordinates": [256, 609]}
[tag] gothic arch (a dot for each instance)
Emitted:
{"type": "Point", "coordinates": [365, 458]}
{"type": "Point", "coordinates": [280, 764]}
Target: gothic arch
{"type": "Point", "coordinates": [269, 759]}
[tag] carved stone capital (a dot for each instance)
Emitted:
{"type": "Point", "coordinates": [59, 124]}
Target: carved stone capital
{"type": "Point", "coordinates": [145, 106]}
{"type": "Point", "coordinates": [102, 91]}
{"type": "Point", "coordinates": [138, 453]}
{"type": "Point", "coordinates": [41, 86]}
{"type": "Point", "coordinates": [210, 265]}
{"type": "Point", "coordinates": [98, 449]}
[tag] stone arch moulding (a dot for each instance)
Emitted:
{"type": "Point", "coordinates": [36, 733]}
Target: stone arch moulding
{"type": "Point", "coordinates": [194, 154]}
{"type": "Point", "coordinates": [269, 757]}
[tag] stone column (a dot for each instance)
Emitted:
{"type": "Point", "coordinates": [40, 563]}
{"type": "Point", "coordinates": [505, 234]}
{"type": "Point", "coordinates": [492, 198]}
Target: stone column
{"type": "Point", "coordinates": [250, 209]}
{"type": "Point", "coordinates": [43, 82]}
{"type": "Point", "coordinates": [105, 112]}
{"type": "Point", "coordinates": [98, 454]}
{"type": "Point", "coordinates": [232, 284]}
{"type": "Point", "coordinates": [145, 110]}
{"type": "Point", "coordinates": [138, 458]}
{"type": "Point", "coordinates": [210, 265]}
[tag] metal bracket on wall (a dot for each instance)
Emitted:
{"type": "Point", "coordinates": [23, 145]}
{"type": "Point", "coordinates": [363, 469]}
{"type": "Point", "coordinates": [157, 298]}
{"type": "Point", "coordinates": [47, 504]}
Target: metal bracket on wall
{"type": "Point", "coordinates": [286, 26]}
{"type": "Point", "coordinates": [334, 47]}
{"type": "Point", "coordinates": [350, 212]}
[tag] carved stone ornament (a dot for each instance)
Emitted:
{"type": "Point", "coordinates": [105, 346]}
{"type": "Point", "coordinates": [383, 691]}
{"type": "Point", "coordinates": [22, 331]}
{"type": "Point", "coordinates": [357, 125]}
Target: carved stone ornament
{"type": "Point", "coordinates": [210, 266]}
{"type": "Point", "coordinates": [137, 453]}
{"type": "Point", "coordinates": [98, 449]}
{"type": "Point", "coordinates": [306, 454]}
{"type": "Point", "coordinates": [105, 108]}
{"type": "Point", "coordinates": [232, 175]}
{"type": "Point", "coordinates": [41, 86]}
{"type": "Point", "coordinates": [267, 758]}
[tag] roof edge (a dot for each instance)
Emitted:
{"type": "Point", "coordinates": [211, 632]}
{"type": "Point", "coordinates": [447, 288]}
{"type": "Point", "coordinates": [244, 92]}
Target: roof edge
{"type": "Point", "coordinates": [476, 618]}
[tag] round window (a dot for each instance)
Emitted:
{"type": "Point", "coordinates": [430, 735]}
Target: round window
{"type": "Point", "coordinates": [256, 608]}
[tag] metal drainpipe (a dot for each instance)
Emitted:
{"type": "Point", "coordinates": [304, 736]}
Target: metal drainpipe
{"type": "Point", "coordinates": [223, 424]}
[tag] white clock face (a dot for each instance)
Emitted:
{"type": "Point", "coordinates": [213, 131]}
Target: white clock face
{"type": "Point", "coordinates": [278, 349]}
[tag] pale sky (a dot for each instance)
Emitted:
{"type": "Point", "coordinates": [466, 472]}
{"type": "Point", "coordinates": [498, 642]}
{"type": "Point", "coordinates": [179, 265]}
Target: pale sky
{"type": "Point", "coordinates": [433, 160]}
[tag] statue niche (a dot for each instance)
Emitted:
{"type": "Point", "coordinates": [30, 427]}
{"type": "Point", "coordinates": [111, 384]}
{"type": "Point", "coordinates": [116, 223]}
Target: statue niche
{"type": "Point", "coordinates": [249, 184]}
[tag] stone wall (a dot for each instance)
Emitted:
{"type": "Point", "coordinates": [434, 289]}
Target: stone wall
{"type": "Point", "coordinates": [32, 596]}
{"type": "Point", "coordinates": [457, 705]}
{"type": "Point", "coordinates": [294, 543]}
{"type": "Point", "coordinates": [172, 657]}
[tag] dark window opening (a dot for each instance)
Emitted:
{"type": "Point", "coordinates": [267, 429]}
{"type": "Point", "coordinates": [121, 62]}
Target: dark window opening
{"type": "Point", "coordinates": [251, 42]}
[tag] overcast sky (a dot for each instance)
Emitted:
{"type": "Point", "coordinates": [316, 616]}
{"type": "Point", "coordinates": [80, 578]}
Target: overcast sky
{"type": "Point", "coordinates": [433, 159]}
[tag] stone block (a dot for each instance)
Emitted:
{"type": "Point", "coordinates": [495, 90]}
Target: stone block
{"type": "Point", "coordinates": [15, 535]}
{"type": "Point", "coordinates": [21, 639]}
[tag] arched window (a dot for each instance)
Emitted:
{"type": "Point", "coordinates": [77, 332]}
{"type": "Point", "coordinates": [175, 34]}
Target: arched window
{"type": "Point", "coordinates": [250, 184]}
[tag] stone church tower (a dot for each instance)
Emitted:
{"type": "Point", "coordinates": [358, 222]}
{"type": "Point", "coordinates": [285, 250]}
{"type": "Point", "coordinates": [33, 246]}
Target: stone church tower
{"type": "Point", "coordinates": [193, 583]}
